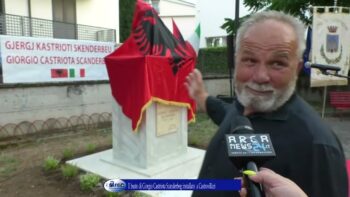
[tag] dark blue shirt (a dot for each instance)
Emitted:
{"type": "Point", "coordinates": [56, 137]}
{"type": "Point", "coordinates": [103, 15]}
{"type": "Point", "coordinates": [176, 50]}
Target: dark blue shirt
{"type": "Point", "coordinates": [307, 151]}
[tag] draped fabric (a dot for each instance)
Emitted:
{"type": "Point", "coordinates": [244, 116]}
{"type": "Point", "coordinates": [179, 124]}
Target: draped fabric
{"type": "Point", "coordinates": [151, 66]}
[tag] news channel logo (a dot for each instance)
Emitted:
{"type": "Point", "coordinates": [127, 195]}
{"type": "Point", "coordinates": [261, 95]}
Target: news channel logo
{"type": "Point", "coordinates": [115, 185]}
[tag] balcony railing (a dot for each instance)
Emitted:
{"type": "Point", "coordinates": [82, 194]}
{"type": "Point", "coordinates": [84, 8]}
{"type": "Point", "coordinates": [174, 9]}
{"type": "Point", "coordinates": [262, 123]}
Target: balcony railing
{"type": "Point", "coordinates": [34, 27]}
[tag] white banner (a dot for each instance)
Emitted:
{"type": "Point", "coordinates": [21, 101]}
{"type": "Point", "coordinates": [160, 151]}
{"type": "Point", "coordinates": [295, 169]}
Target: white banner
{"type": "Point", "coordinates": [28, 59]}
{"type": "Point", "coordinates": [330, 44]}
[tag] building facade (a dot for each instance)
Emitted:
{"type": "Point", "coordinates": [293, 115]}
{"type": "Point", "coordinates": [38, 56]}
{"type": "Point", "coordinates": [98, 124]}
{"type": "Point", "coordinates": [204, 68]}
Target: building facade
{"type": "Point", "coordinates": [69, 19]}
{"type": "Point", "coordinates": [183, 13]}
{"type": "Point", "coordinates": [61, 103]}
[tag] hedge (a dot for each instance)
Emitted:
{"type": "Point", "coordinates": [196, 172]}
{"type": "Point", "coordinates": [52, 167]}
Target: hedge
{"type": "Point", "coordinates": [213, 61]}
{"type": "Point", "coordinates": [126, 13]}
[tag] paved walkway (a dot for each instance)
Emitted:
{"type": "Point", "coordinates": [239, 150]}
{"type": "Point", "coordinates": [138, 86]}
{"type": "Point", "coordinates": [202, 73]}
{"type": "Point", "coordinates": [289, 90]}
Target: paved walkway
{"type": "Point", "coordinates": [342, 128]}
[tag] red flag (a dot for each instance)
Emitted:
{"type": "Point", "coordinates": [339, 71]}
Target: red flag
{"type": "Point", "coordinates": [151, 66]}
{"type": "Point", "coordinates": [82, 72]}
{"type": "Point", "coordinates": [59, 73]}
{"type": "Point", "coordinates": [177, 33]}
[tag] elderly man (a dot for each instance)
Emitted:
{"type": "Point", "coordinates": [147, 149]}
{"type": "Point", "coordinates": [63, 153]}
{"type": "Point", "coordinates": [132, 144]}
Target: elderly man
{"type": "Point", "coordinates": [269, 48]}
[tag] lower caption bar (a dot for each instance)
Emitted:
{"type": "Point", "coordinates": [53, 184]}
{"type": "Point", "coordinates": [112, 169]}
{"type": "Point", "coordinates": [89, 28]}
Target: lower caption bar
{"type": "Point", "coordinates": [117, 185]}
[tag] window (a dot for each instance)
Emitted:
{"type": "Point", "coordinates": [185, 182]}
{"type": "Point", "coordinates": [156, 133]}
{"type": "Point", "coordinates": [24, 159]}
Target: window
{"type": "Point", "coordinates": [64, 16]}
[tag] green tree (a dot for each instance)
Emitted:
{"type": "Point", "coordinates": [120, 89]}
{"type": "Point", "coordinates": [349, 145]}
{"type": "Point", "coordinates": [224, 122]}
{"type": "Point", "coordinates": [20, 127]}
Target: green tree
{"type": "Point", "coordinates": [230, 25]}
{"type": "Point", "coordinates": [299, 8]}
{"type": "Point", "coordinates": [126, 13]}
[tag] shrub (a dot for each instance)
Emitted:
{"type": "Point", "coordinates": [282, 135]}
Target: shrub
{"type": "Point", "coordinates": [51, 163]}
{"type": "Point", "coordinates": [213, 61]}
{"type": "Point", "coordinates": [69, 171]}
{"type": "Point", "coordinates": [88, 181]}
{"type": "Point", "coordinates": [126, 12]}
{"type": "Point", "coordinates": [91, 148]}
{"type": "Point", "coordinates": [140, 194]}
{"type": "Point", "coordinates": [67, 153]}
{"type": "Point", "coordinates": [113, 194]}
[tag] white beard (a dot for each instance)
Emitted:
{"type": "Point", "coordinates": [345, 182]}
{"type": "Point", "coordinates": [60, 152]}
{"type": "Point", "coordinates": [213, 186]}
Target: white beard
{"type": "Point", "coordinates": [264, 103]}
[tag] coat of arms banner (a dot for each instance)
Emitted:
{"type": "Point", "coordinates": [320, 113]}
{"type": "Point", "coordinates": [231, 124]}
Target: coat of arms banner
{"type": "Point", "coordinates": [330, 44]}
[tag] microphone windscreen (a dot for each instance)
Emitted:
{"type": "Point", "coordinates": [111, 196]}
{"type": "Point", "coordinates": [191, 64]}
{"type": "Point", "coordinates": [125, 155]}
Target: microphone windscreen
{"type": "Point", "coordinates": [243, 125]}
{"type": "Point", "coordinates": [242, 120]}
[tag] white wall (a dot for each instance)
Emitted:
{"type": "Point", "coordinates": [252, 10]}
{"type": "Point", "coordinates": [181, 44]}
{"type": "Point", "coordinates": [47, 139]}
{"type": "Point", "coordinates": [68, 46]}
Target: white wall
{"type": "Point", "coordinates": [41, 9]}
{"type": "Point", "coordinates": [217, 86]}
{"type": "Point", "coordinates": [183, 15]}
{"type": "Point", "coordinates": [210, 14]}
{"type": "Point", "coordinates": [99, 13]}
{"type": "Point", "coordinates": [186, 24]}
{"type": "Point", "coordinates": [213, 14]}
{"type": "Point", "coordinates": [169, 8]}
{"type": "Point", "coordinates": [45, 102]}
{"type": "Point", "coordinates": [16, 7]}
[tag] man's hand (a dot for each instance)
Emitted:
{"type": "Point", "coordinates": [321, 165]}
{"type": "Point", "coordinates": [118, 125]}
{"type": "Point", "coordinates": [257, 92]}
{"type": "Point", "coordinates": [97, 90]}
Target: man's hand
{"type": "Point", "coordinates": [196, 90]}
{"type": "Point", "coordinates": [275, 185]}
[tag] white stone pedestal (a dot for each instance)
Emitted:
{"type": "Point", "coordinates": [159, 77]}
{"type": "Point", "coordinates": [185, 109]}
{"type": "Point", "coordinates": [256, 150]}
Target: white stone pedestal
{"type": "Point", "coordinates": [158, 150]}
{"type": "Point", "coordinates": [160, 142]}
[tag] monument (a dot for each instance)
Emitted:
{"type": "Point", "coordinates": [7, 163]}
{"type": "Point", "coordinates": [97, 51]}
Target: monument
{"type": "Point", "coordinates": [152, 108]}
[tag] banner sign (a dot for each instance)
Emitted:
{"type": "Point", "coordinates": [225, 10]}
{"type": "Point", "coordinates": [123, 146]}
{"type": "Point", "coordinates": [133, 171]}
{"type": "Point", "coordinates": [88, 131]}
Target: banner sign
{"type": "Point", "coordinates": [118, 185]}
{"type": "Point", "coordinates": [330, 44]}
{"type": "Point", "coordinates": [31, 60]}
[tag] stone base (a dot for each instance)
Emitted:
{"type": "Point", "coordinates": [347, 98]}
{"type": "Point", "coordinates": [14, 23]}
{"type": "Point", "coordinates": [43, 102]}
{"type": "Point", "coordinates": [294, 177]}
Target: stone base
{"type": "Point", "coordinates": [186, 166]}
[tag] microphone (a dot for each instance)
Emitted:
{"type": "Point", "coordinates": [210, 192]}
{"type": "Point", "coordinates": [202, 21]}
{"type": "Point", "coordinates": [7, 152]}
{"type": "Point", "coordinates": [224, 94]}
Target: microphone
{"type": "Point", "coordinates": [321, 67]}
{"type": "Point", "coordinates": [248, 150]}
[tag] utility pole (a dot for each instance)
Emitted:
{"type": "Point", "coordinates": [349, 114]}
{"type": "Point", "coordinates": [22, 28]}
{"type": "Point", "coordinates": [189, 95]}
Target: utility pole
{"type": "Point", "coordinates": [234, 50]}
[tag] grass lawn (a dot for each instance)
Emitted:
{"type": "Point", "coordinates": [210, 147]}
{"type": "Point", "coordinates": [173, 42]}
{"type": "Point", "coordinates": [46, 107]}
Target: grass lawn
{"type": "Point", "coordinates": [201, 132]}
{"type": "Point", "coordinates": [8, 165]}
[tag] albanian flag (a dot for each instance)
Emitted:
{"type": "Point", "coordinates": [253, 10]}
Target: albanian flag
{"type": "Point", "coordinates": [151, 66]}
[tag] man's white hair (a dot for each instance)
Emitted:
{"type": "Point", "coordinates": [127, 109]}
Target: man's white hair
{"type": "Point", "coordinates": [259, 17]}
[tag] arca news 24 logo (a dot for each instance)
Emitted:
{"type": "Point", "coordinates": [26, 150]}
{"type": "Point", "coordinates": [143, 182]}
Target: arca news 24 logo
{"type": "Point", "coordinates": [115, 185]}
